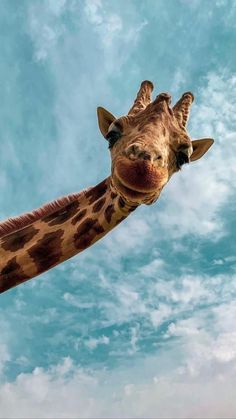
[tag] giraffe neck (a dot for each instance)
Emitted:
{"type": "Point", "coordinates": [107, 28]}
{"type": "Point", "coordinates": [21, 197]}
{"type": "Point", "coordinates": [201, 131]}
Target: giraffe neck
{"type": "Point", "coordinates": [54, 238]}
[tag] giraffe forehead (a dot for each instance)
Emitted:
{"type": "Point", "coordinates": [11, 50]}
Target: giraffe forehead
{"type": "Point", "coordinates": [147, 134]}
{"type": "Point", "coordinates": [149, 125]}
{"type": "Point", "coordinates": [157, 129]}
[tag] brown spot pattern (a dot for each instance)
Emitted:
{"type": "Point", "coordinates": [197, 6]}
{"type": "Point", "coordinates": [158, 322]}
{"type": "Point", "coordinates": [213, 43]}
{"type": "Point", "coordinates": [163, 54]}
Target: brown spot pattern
{"type": "Point", "coordinates": [62, 215]}
{"type": "Point", "coordinates": [18, 239]}
{"type": "Point", "coordinates": [109, 211]}
{"type": "Point", "coordinates": [97, 192]}
{"type": "Point", "coordinates": [78, 217]}
{"type": "Point", "coordinates": [98, 205]}
{"type": "Point", "coordinates": [47, 251]}
{"type": "Point", "coordinates": [11, 275]}
{"type": "Point", "coordinates": [121, 202]}
{"type": "Point", "coordinates": [86, 232]}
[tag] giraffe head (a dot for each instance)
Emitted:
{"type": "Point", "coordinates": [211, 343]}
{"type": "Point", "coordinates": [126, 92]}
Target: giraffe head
{"type": "Point", "coordinates": [149, 144]}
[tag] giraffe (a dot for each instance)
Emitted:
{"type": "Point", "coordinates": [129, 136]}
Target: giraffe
{"type": "Point", "coordinates": [147, 146]}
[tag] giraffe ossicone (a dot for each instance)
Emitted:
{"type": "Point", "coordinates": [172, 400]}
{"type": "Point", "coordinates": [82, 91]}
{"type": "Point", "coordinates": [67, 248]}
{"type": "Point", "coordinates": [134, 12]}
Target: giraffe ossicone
{"type": "Point", "coordinates": [147, 146]}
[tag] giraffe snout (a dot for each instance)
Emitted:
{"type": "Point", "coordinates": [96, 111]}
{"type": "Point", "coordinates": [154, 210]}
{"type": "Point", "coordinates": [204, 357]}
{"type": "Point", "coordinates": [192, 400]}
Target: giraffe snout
{"type": "Point", "coordinates": [135, 151]}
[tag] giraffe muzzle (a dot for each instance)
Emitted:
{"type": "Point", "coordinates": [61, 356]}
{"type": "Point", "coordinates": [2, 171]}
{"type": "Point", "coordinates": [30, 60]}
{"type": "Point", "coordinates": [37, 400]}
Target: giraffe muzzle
{"type": "Point", "coordinates": [140, 175]}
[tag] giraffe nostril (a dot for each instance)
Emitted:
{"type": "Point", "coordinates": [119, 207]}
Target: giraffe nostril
{"type": "Point", "coordinates": [144, 155]}
{"type": "Point", "coordinates": [134, 152]}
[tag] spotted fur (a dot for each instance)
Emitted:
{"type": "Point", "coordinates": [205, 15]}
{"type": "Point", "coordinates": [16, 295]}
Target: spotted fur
{"type": "Point", "coordinates": [98, 205]}
{"type": "Point", "coordinates": [109, 211]}
{"type": "Point", "coordinates": [17, 240]}
{"type": "Point", "coordinates": [62, 215]}
{"type": "Point", "coordinates": [95, 193]}
{"type": "Point", "coordinates": [86, 233]}
{"type": "Point", "coordinates": [11, 275]}
{"type": "Point", "coordinates": [47, 251]}
{"type": "Point", "coordinates": [81, 214]}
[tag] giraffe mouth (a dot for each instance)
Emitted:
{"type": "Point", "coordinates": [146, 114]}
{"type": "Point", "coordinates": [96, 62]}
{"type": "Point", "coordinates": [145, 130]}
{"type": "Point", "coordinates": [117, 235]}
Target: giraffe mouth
{"type": "Point", "coordinates": [132, 194]}
{"type": "Point", "coordinates": [139, 177]}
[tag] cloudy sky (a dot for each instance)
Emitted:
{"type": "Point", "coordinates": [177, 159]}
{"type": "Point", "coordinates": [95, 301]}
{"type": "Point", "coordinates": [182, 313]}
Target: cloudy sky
{"type": "Point", "coordinates": [143, 323]}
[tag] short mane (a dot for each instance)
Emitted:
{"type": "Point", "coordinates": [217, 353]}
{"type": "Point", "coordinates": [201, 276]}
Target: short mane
{"type": "Point", "coordinates": [16, 223]}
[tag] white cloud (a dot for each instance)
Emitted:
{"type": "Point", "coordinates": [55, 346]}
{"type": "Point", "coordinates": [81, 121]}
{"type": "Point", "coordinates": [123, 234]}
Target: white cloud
{"type": "Point", "coordinates": [151, 293]}
{"type": "Point", "coordinates": [45, 26]}
{"type": "Point", "coordinates": [230, 259]}
{"type": "Point", "coordinates": [218, 262]}
{"type": "Point", "coordinates": [107, 25]}
{"type": "Point", "coordinates": [225, 347]}
{"type": "Point", "coordinates": [187, 327]}
{"type": "Point", "coordinates": [159, 315]}
{"type": "Point", "coordinates": [152, 268]}
{"type": "Point", "coordinates": [136, 229]}
{"type": "Point", "coordinates": [192, 374]}
{"type": "Point", "coordinates": [111, 29]}
{"type": "Point", "coordinates": [125, 305]}
{"type": "Point", "coordinates": [76, 302]}
{"type": "Point", "coordinates": [178, 80]}
{"type": "Point", "coordinates": [140, 390]}
{"type": "Point", "coordinates": [134, 339]}
{"type": "Point", "coordinates": [192, 290]}
{"type": "Point", "coordinates": [92, 343]}
{"type": "Point", "coordinates": [225, 260]}
{"type": "Point", "coordinates": [184, 291]}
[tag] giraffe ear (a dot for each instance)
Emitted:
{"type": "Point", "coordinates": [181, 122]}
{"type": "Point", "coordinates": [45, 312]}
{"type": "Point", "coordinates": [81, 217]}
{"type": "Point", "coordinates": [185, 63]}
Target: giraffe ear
{"type": "Point", "coordinates": [105, 119]}
{"type": "Point", "coordinates": [200, 147]}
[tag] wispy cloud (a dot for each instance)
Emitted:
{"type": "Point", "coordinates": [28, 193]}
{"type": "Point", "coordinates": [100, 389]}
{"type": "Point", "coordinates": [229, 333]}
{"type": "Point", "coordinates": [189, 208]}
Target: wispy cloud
{"type": "Point", "coordinates": [199, 386]}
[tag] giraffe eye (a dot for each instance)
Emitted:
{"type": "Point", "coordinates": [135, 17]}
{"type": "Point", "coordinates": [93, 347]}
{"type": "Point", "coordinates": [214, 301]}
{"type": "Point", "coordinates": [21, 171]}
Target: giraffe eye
{"type": "Point", "coordinates": [181, 159]}
{"type": "Point", "coordinates": [112, 137]}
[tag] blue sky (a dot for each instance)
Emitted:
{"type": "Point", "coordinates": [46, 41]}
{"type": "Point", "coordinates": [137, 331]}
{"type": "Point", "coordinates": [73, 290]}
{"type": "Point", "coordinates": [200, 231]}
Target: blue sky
{"type": "Point", "coordinates": [143, 323]}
